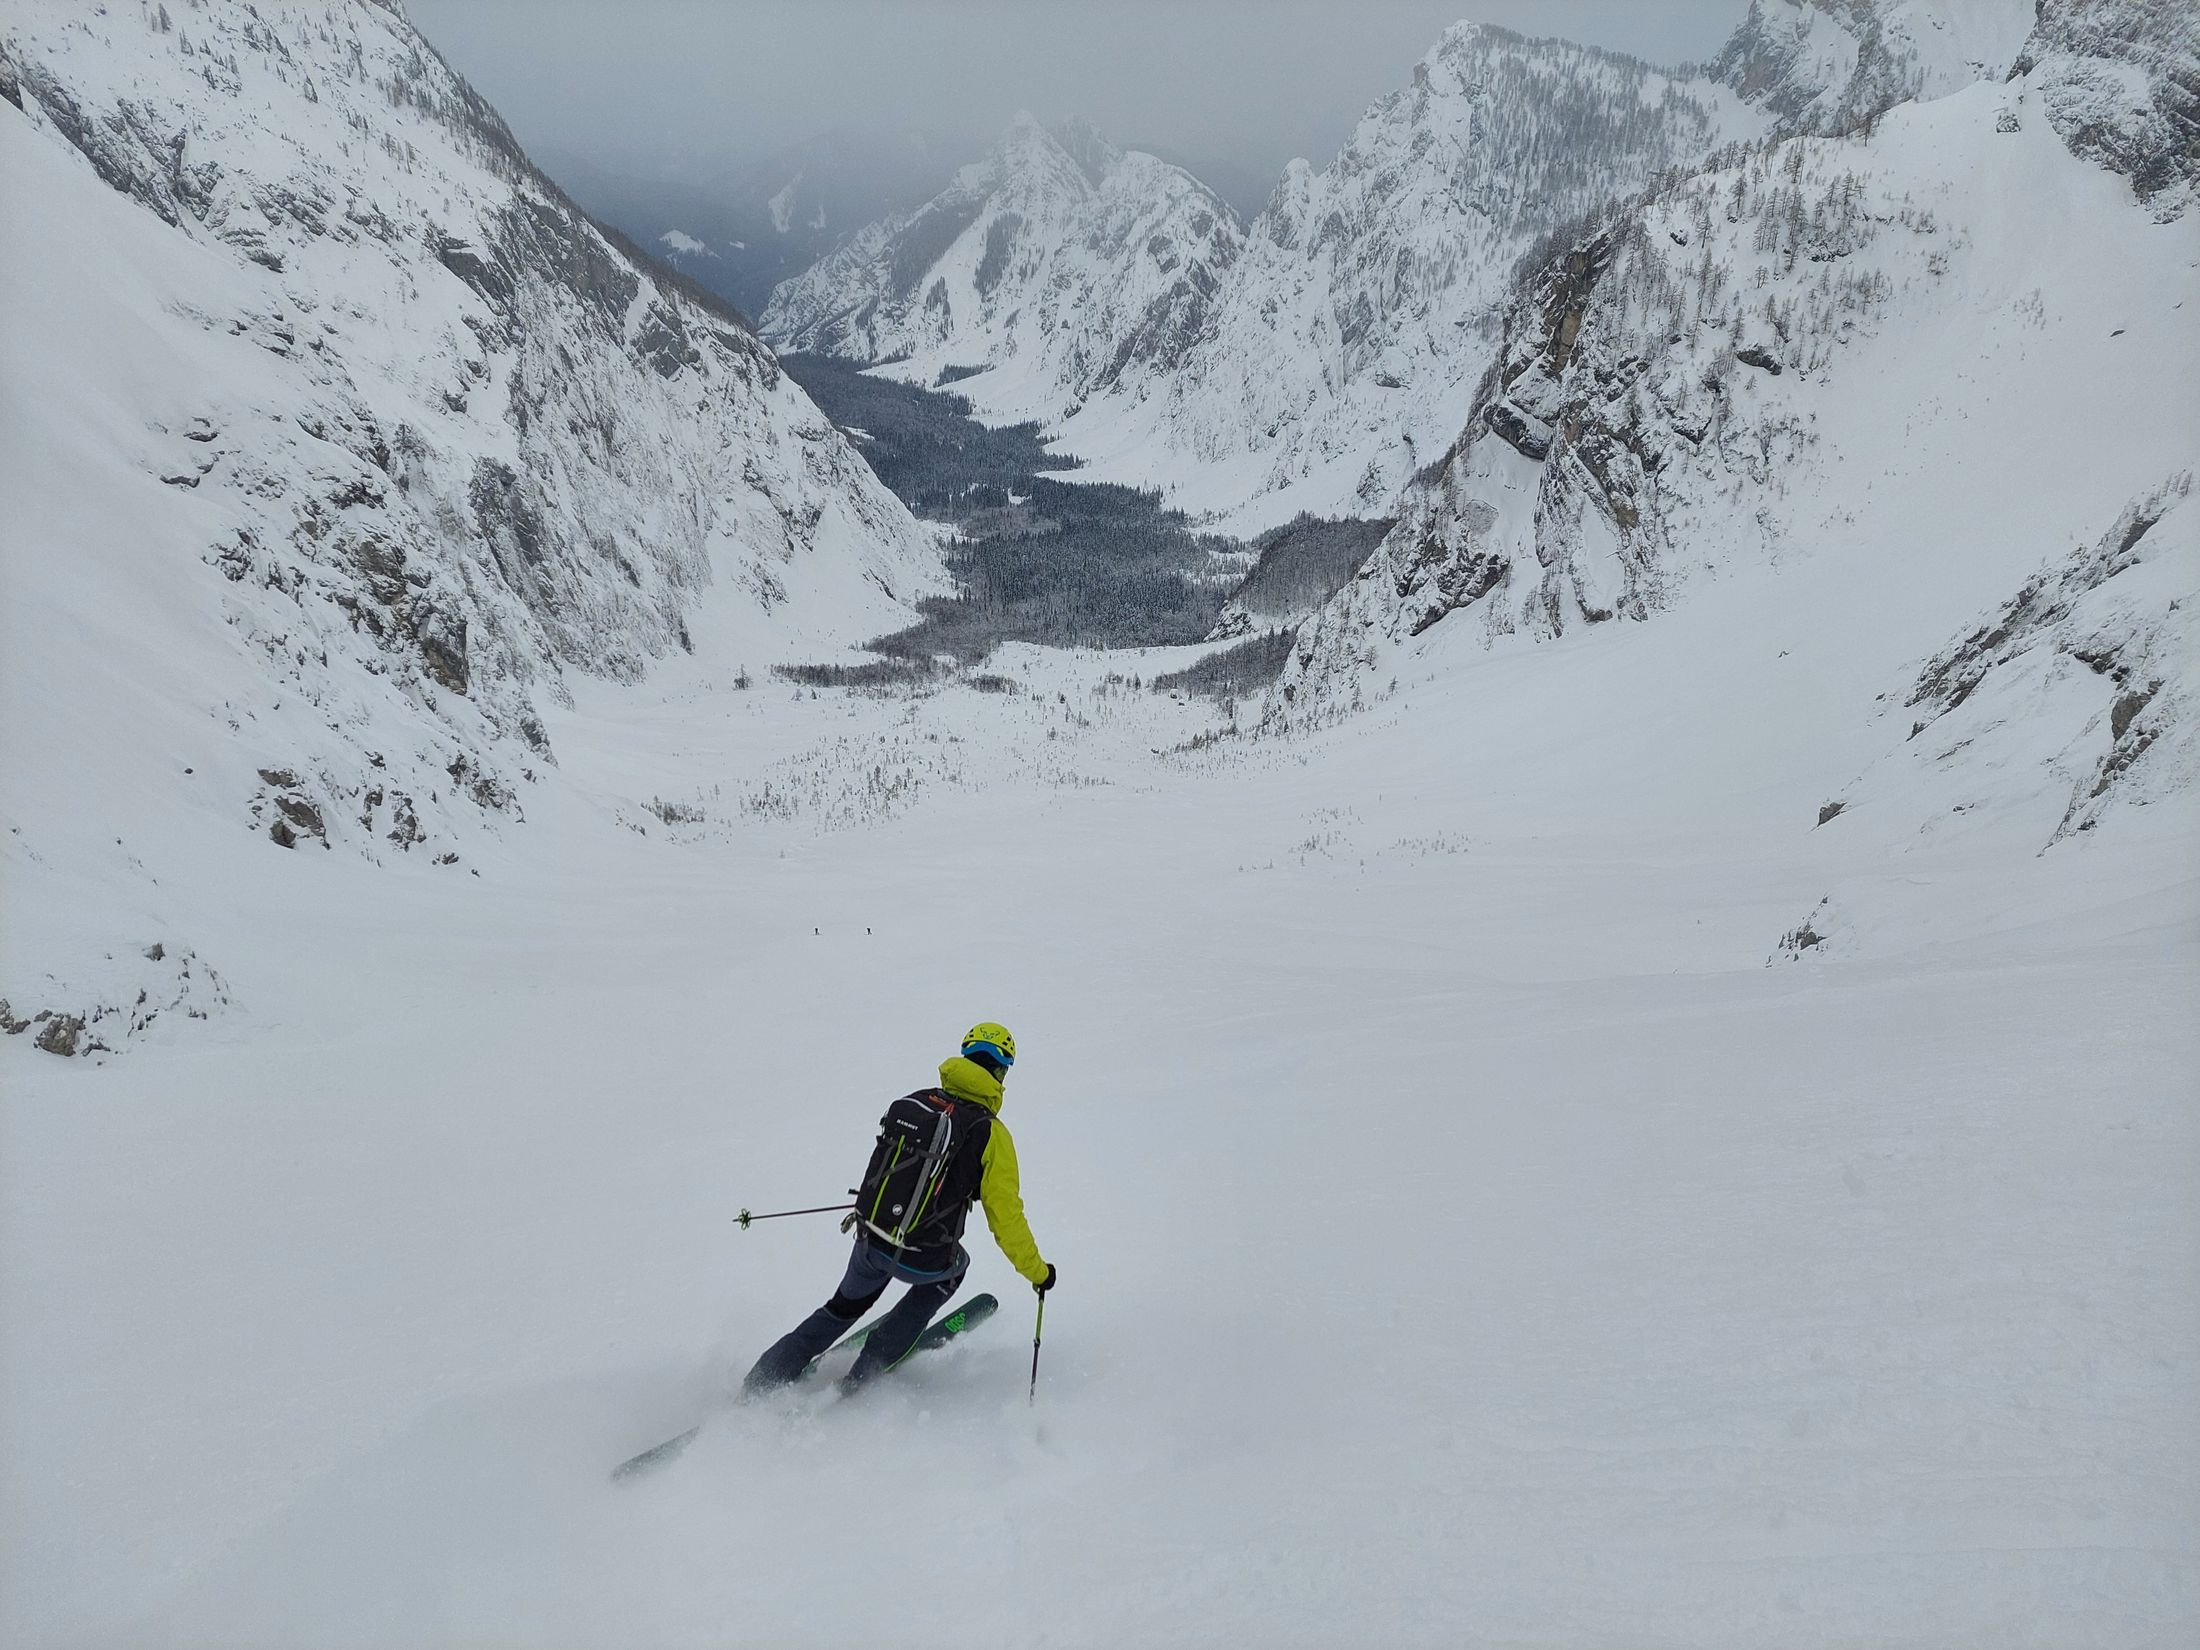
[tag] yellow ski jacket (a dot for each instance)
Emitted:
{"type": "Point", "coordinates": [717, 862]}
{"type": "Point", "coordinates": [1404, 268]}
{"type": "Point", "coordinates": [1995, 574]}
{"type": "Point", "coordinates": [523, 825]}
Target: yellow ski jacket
{"type": "Point", "coordinates": [1000, 1189]}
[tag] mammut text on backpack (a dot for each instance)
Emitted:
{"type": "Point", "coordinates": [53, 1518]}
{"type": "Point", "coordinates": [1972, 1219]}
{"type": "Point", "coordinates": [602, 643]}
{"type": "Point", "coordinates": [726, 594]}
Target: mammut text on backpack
{"type": "Point", "coordinates": [920, 1178]}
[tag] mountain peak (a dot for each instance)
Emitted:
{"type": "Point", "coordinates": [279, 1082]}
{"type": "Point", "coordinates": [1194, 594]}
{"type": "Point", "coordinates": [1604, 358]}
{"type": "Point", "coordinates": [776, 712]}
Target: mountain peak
{"type": "Point", "coordinates": [1029, 150]}
{"type": "Point", "coordinates": [1089, 262]}
{"type": "Point", "coordinates": [1084, 143]}
{"type": "Point", "coordinates": [1029, 141]}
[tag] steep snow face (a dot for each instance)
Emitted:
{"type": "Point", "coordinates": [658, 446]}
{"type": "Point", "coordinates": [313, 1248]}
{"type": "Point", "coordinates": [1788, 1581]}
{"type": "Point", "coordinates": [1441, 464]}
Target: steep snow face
{"type": "Point", "coordinates": [1344, 350]}
{"type": "Point", "coordinates": [1066, 263]}
{"type": "Point", "coordinates": [1837, 346]}
{"type": "Point", "coordinates": [2058, 725]}
{"type": "Point", "coordinates": [336, 440]}
{"type": "Point", "coordinates": [1955, 42]}
{"type": "Point", "coordinates": [2120, 80]}
{"type": "Point", "coordinates": [1825, 65]}
{"type": "Point", "coordinates": [2085, 671]}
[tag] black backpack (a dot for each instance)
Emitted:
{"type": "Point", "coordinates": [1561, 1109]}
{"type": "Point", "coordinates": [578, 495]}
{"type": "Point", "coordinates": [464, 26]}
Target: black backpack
{"type": "Point", "coordinates": [924, 1170]}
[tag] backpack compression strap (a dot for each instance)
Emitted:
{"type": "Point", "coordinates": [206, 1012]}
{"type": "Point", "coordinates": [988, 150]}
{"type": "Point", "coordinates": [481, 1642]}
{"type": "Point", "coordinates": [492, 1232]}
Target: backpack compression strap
{"type": "Point", "coordinates": [937, 1153]}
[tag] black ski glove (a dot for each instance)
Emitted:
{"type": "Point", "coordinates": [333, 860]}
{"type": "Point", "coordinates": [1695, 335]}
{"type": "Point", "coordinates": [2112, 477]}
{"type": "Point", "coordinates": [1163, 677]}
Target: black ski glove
{"type": "Point", "coordinates": [1049, 1284]}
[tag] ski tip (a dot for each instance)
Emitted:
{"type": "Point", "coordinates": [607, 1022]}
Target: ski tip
{"type": "Point", "coordinates": [656, 1456]}
{"type": "Point", "coordinates": [969, 1315]}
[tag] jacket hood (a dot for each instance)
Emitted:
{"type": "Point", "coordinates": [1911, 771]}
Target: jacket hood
{"type": "Point", "coordinates": [967, 1080]}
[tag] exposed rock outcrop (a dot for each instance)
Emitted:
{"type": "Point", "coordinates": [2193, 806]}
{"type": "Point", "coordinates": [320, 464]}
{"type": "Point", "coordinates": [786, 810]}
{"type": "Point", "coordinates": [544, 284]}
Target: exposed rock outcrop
{"type": "Point", "coordinates": [472, 441]}
{"type": "Point", "coordinates": [2120, 80]}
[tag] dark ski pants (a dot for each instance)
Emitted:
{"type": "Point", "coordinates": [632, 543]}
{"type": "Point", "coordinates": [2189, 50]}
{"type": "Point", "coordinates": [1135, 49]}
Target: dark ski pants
{"type": "Point", "coordinates": [870, 1270]}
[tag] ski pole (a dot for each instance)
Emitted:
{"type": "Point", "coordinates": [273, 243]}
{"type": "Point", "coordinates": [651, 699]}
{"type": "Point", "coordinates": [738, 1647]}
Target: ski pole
{"type": "Point", "coordinates": [744, 1217]}
{"type": "Point", "coordinates": [1035, 1329]}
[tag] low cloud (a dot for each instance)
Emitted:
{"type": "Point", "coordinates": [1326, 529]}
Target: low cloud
{"type": "Point", "coordinates": [1244, 85]}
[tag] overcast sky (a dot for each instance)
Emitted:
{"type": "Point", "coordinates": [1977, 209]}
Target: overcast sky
{"type": "Point", "coordinates": [653, 85]}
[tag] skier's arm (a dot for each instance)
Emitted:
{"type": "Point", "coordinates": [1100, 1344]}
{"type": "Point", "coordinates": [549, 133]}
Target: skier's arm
{"type": "Point", "coordinates": [1001, 1191]}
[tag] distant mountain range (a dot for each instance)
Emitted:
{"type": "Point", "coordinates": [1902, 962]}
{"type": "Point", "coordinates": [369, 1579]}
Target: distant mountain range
{"type": "Point", "coordinates": [1322, 355]}
{"type": "Point", "coordinates": [1313, 359]}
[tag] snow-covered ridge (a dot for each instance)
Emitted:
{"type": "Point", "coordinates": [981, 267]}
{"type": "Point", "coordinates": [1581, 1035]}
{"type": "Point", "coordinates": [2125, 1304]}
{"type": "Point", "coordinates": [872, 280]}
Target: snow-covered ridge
{"type": "Point", "coordinates": [1320, 362]}
{"type": "Point", "coordinates": [1721, 383]}
{"type": "Point", "coordinates": [400, 435]}
{"type": "Point", "coordinates": [1076, 264]}
{"type": "Point", "coordinates": [2120, 78]}
{"type": "Point", "coordinates": [1347, 343]}
{"type": "Point", "coordinates": [1828, 65]}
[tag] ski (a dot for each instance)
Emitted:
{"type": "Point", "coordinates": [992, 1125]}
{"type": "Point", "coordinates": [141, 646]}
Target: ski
{"type": "Point", "coordinates": [939, 1332]}
{"type": "Point", "coordinates": [658, 1455]}
{"type": "Point", "coordinates": [965, 1317]}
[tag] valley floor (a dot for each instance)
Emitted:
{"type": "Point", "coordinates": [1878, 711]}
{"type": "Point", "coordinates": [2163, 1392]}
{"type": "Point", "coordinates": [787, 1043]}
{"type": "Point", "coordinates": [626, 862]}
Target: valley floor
{"type": "Point", "coordinates": [1473, 1230]}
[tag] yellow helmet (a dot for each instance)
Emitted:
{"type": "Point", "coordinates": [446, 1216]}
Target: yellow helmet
{"type": "Point", "coordinates": [987, 1037]}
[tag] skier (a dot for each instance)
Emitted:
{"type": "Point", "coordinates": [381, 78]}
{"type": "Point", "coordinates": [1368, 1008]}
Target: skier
{"type": "Point", "coordinates": [909, 1214]}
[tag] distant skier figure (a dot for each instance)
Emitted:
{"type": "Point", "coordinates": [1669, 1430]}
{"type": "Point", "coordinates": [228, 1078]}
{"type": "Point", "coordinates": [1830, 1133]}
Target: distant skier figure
{"type": "Point", "coordinates": [937, 1150]}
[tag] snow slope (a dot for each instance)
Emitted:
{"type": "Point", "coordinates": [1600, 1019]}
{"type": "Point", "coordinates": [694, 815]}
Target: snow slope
{"type": "Point", "coordinates": [1522, 1171]}
{"type": "Point", "coordinates": [1465, 1235]}
{"type": "Point", "coordinates": [2116, 77]}
{"type": "Point", "coordinates": [337, 444]}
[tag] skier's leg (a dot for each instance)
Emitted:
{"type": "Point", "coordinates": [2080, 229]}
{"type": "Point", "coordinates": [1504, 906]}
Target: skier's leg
{"type": "Point", "coordinates": [897, 1332]}
{"type": "Point", "coordinates": [786, 1358]}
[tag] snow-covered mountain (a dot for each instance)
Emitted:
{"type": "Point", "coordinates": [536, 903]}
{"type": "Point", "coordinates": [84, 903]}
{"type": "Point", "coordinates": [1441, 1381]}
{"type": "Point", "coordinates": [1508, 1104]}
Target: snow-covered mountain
{"type": "Point", "coordinates": [1340, 351]}
{"type": "Point", "coordinates": [1345, 347]}
{"type": "Point", "coordinates": [1644, 382]}
{"type": "Point", "coordinates": [1829, 346]}
{"type": "Point", "coordinates": [337, 441]}
{"type": "Point", "coordinates": [1324, 363]}
{"type": "Point", "coordinates": [1827, 65]}
{"type": "Point", "coordinates": [1070, 266]}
